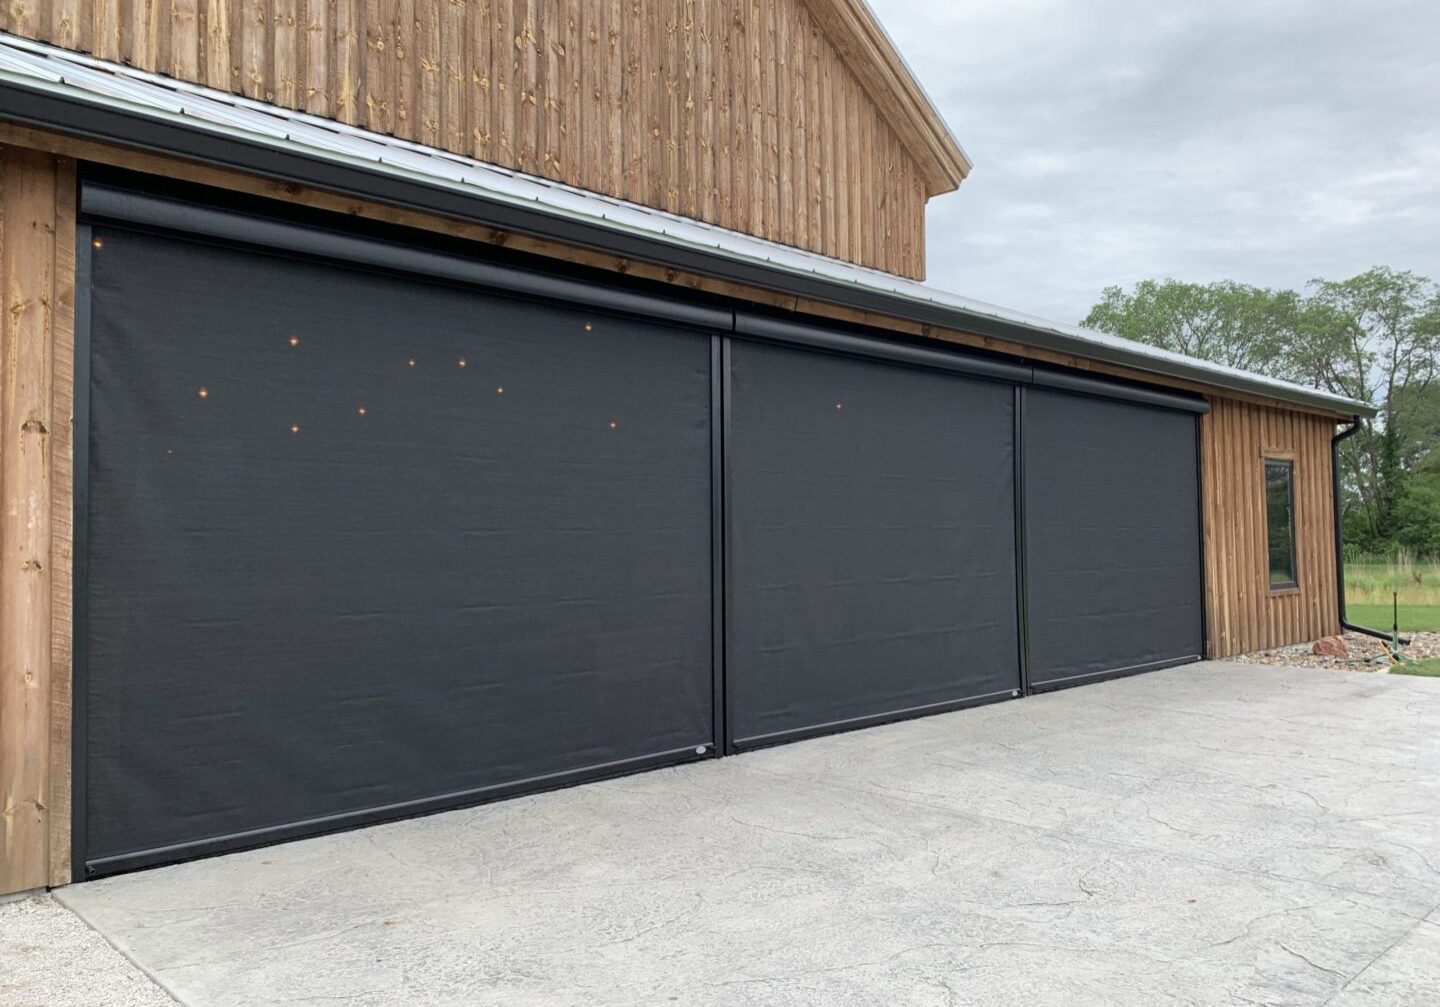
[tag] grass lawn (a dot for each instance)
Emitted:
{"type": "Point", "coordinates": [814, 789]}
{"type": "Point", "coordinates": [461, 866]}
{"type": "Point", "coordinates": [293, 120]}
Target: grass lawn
{"type": "Point", "coordinates": [1413, 618]}
{"type": "Point", "coordinates": [1429, 669]}
{"type": "Point", "coordinates": [1368, 594]}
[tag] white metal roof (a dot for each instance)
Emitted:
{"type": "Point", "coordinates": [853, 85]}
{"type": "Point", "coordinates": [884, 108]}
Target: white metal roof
{"type": "Point", "coordinates": [38, 67]}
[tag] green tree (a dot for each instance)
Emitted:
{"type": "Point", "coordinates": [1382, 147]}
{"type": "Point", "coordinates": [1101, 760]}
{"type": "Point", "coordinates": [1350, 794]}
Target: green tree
{"type": "Point", "coordinates": [1417, 516]}
{"type": "Point", "coordinates": [1418, 429]}
{"type": "Point", "coordinates": [1374, 337]}
{"type": "Point", "coordinates": [1230, 323]}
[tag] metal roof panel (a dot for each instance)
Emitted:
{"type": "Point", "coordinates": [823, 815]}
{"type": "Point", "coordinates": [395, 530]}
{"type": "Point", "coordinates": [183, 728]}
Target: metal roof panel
{"type": "Point", "coordinates": [43, 68]}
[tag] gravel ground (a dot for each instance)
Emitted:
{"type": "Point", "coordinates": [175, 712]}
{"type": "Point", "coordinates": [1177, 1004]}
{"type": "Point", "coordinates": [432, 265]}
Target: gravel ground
{"type": "Point", "coordinates": [1362, 648]}
{"type": "Point", "coordinates": [49, 957]}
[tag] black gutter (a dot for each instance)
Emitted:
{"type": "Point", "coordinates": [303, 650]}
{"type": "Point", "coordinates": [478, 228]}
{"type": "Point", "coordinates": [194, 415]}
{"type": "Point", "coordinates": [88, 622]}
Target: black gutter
{"type": "Point", "coordinates": [99, 200]}
{"type": "Point", "coordinates": [775, 330]}
{"type": "Point", "coordinates": [102, 201]}
{"type": "Point", "coordinates": [1345, 623]}
{"type": "Point", "coordinates": [92, 121]}
{"type": "Point", "coordinates": [830, 340]}
{"type": "Point", "coordinates": [1081, 385]}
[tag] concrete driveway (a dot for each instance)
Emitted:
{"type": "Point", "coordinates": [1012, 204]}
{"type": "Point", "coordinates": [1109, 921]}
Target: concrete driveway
{"type": "Point", "coordinates": [1216, 834]}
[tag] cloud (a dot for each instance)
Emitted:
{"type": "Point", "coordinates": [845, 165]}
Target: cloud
{"type": "Point", "coordinates": [1266, 141]}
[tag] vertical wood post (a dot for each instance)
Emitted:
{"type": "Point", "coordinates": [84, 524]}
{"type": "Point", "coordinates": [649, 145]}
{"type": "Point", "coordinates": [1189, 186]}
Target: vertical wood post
{"type": "Point", "coordinates": [28, 228]}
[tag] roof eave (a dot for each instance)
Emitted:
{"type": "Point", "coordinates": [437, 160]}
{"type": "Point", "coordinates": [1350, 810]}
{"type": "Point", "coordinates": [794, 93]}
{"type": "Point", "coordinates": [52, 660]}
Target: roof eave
{"type": "Point", "coordinates": [870, 52]}
{"type": "Point", "coordinates": [52, 106]}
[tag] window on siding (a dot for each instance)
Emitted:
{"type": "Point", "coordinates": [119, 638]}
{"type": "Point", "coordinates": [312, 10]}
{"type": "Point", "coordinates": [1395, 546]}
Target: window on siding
{"type": "Point", "coordinates": [1280, 522]}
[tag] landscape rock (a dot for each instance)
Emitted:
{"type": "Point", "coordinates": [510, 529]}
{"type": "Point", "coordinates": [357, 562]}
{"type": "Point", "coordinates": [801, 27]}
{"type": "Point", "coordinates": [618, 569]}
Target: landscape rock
{"type": "Point", "coordinates": [1366, 654]}
{"type": "Point", "coordinates": [1330, 646]}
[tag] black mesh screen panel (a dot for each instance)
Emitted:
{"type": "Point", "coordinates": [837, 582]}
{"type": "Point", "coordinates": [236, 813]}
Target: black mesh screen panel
{"type": "Point", "coordinates": [357, 540]}
{"type": "Point", "coordinates": [1113, 538]}
{"type": "Point", "coordinates": [871, 540]}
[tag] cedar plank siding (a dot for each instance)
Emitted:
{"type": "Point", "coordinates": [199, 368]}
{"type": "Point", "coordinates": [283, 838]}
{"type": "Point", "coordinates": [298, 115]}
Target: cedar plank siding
{"type": "Point", "coordinates": [1242, 613]}
{"type": "Point", "coordinates": [710, 108]}
{"type": "Point", "coordinates": [37, 365]}
{"type": "Point", "coordinates": [37, 255]}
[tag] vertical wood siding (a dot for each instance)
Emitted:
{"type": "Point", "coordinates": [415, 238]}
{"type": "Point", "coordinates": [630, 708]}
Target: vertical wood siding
{"type": "Point", "coordinates": [1242, 613]}
{"type": "Point", "coordinates": [37, 254]}
{"type": "Point", "coordinates": [37, 230]}
{"type": "Point", "coordinates": [737, 112]}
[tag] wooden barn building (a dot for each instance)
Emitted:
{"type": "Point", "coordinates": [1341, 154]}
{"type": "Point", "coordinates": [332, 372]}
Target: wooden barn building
{"type": "Point", "coordinates": [410, 403]}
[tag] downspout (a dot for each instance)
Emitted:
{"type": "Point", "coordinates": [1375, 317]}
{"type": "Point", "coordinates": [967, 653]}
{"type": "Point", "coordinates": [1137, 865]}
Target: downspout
{"type": "Point", "coordinates": [1353, 429]}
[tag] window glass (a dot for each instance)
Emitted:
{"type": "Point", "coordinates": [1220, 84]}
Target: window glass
{"type": "Point", "coordinates": [1280, 521]}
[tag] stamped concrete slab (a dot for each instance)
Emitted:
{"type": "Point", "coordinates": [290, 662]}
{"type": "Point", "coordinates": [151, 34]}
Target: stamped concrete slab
{"type": "Point", "coordinates": [1215, 834]}
{"type": "Point", "coordinates": [50, 958]}
{"type": "Point", "coordinates": [1405, 974]}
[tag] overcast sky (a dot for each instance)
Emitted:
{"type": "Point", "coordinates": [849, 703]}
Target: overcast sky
{"type": "Point", "coordinates": [1263, 141]}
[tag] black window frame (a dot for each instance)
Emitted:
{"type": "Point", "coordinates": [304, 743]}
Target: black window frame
{"type": "Point", "coordinates": [1293, 584]}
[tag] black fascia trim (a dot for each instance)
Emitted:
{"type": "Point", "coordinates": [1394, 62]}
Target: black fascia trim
{"type": "Point", "coordinates": [1061, 381]}
{"type": "Point", "coordinates": [89, 120]}
{"type": "Point", "coordinates": [103, 866]}
{"type": "Point", "coordinates": [100, 202]}
{"type": "Point", "coordinates": [829, 340]}
{"type": "Point", "coordinates": [749, 325]}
